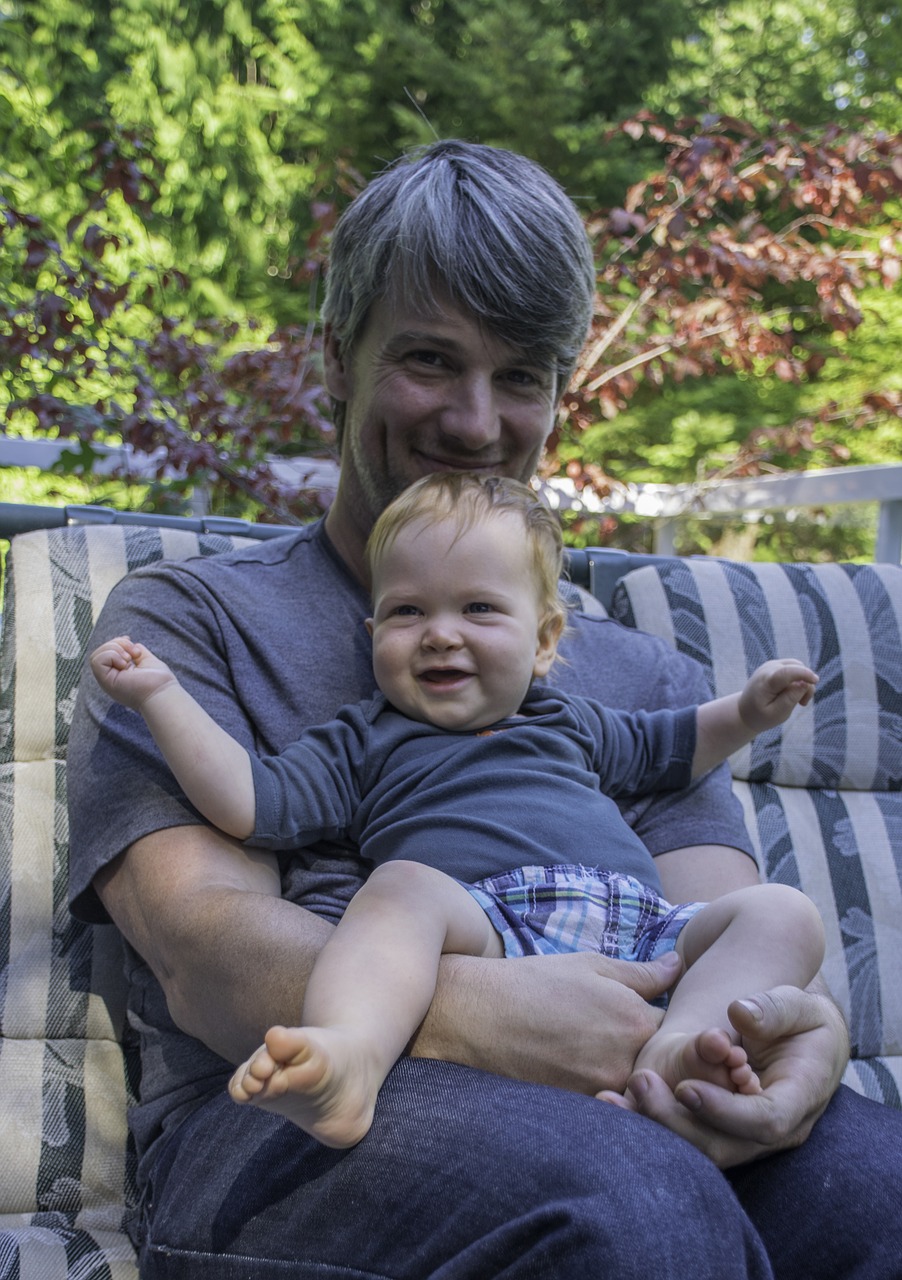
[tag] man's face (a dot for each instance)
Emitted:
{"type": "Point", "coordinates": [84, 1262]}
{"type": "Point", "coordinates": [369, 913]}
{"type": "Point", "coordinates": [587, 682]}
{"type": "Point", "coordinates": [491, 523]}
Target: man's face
{"type": "Point", "coordinates": [425, 394]}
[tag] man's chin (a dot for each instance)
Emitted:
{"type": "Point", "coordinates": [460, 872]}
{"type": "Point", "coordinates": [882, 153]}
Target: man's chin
{"type": "Point", "coordinates": [428, 465]}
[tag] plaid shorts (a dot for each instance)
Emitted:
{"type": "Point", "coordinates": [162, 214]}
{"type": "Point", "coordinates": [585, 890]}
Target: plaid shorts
{"type": "Point", "coordinates": [551, 910]}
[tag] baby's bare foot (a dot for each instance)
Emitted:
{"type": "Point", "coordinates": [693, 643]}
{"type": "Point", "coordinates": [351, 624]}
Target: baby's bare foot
{"type": "Point", "coordinates": [319, 1078]}
{"type": "Point", "coordinates": [710, 1056]}
{"type": "Point", "coordinates": [250, 1078]}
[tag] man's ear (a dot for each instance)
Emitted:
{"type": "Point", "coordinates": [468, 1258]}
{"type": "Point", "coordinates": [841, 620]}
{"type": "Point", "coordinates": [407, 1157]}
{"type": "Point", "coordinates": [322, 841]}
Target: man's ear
{"type": "Point", "coordinates": [334, 368]}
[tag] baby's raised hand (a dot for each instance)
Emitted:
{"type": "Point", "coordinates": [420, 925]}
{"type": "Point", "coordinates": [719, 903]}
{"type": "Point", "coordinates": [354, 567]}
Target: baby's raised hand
{"type": "Point", "coordinates": [129, 672]}
{"type": "Point", "coordinates": [773, 691]}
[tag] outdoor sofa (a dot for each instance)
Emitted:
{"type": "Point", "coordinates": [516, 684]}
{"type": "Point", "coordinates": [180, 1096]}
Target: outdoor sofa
{"type": "Point", "coordinates": [821, 795]}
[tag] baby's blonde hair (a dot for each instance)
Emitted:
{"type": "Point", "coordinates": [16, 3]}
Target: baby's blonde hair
{"type": "Point", "coordinates": [466, 498]}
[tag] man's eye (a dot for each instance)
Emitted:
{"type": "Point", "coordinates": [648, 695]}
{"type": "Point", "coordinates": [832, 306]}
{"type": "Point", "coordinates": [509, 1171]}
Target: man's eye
{"type": "Point", "coordinates": [531, 379]}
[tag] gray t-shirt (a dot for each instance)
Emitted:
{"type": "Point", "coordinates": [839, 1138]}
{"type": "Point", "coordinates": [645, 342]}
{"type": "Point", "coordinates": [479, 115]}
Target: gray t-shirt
{"type": "Point", "coordinates": [271, 640]}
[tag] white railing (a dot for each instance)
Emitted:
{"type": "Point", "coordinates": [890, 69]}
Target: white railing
{"type": "Point", "coordinates": [126, 463]}
{"type": "Point", "coordinates": [661, 504]}
{"type": "Point", "coordinates": [664, 504]}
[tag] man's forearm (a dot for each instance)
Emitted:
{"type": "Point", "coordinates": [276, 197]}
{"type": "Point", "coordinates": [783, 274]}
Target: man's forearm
{"type": "Point", "coordinates": [574, 1021]}
{"type": "Point", "coordinates": [206, 914]}
{"type": "Point", "coordinates": [233, 958]}
{"type": "Point", "coordinates": [250, 976]}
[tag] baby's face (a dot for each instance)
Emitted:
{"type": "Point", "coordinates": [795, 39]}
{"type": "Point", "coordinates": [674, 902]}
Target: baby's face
{"type": "Point", "coordinates": [456, 630]}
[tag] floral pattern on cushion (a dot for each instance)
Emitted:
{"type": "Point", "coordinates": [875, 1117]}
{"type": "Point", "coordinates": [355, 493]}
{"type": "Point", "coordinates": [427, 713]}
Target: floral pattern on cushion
{"type": "Point", "coordinates": [66, 1065]}
{"type": "Point", "coordinates": [822, 794]}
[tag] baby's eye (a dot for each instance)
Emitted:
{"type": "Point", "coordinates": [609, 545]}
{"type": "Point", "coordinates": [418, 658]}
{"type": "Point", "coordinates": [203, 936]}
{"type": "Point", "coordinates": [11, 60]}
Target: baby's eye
{"type": "Point", "coordinates": [480, 606]}
{"type": "Point", "coordinates": [405, 611]}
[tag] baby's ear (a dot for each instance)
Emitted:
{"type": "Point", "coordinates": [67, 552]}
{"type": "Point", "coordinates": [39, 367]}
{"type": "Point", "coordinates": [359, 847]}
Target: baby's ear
{"type": "Point", "coordinates": [550, 632]}
{"type": "Point", "coordinates": [369, 627]}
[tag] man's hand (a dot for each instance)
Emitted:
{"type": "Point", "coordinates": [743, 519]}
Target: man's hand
{"type": "Point", "coordinates": [573, 1021]}
{"type": "Point", "coordinates": [798, 1044]}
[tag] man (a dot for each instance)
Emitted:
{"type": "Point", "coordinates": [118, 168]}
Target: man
{"type": "Point", "coordinates": [459, 295]}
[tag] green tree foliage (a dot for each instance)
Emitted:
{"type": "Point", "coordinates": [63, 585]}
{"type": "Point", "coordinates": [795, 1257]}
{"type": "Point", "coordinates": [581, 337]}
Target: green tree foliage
{"type": "Point", "coordinates": [90, 352]}
{"type": "Point", "coordinates": [223, 105]}
{"type": "Point", "coordinates": [541, 76]}
{"type": "Point", "coordinates": [748, 312]}
{"type": "Point", "coordinates": [245, 107]}
{"type": "Point", "coordinates": [766, 60]}
{"type": "Point", "coordinates": [743, 262]}
{"type": "Point", "coordinates": [747, 255]}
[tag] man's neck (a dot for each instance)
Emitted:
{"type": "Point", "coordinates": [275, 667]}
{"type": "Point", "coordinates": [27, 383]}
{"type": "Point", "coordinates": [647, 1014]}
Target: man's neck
{"type": "Point", "coordinates": [347, 540]}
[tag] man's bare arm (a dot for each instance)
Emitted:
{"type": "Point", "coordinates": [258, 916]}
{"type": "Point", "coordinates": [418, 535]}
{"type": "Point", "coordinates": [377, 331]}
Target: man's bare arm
{"type": "Point", "coordinates": [704, 872]}
{"type": "Point", "coordinates": [569, 1020]}
{"type": "Point", "coordinates": [233, 958]}
{"type": "Point", "coordinates": [231, 955]}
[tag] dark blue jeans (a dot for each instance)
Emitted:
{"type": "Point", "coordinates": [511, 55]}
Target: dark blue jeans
{"type": "Point", "coordinates": [466, 1176]}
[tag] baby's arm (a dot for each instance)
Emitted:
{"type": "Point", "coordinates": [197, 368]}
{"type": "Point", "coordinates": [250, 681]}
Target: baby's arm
{"type": "Point", "coordinates": [212, 769]}
{"type": "Point", "coordinates": [726, 724]}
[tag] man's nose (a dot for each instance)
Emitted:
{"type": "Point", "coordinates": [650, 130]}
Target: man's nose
{"type": "Point", "coordinates": [472, 415]}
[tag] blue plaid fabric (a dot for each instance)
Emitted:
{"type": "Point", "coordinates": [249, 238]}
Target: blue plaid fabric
{"type": "Point", "coordinates": [559, 909]}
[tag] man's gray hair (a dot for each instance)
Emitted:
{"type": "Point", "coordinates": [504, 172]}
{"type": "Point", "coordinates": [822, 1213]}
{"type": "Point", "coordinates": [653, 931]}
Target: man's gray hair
{"type": "Point", "coordinates": [482, 227]}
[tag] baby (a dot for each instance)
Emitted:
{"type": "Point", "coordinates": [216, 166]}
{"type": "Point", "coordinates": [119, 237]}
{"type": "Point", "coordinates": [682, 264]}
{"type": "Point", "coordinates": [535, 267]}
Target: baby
{"type": "Point", "coordinates": [473, 790]}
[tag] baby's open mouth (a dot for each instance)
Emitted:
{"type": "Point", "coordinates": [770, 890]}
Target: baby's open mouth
{"type": "Point", "coordinates": [443, 675]}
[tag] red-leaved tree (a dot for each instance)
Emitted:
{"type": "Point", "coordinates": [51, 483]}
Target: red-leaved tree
{"type": "Point", "coordinates": [744, 253]}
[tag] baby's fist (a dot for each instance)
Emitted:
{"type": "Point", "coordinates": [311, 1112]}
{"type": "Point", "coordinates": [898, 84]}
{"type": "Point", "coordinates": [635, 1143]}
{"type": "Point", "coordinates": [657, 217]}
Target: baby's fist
{"type": "Point", "coordinates": [774, 690]}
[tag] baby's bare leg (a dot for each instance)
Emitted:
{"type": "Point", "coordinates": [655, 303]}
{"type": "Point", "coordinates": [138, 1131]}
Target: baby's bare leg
{"type": "Point", "coordinates": [369, 990]}
{"type": "Point", "coordinates": [750, 940]}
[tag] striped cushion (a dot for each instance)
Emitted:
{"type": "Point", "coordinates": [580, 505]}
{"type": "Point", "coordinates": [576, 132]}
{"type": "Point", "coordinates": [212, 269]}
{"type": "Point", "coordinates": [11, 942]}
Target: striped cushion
{"type": "Point", "coordinates": [65, 1072]}
{"type": "Point", "coordinates": [823, 793]}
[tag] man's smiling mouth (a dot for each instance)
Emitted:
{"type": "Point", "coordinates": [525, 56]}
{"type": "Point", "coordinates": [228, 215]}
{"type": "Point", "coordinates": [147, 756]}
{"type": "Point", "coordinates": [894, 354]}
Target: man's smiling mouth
{"type": "Point", "coordinates": [460, 464]}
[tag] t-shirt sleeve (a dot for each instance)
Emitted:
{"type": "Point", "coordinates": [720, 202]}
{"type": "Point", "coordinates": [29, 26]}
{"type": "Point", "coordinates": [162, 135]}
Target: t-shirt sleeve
{"type": "Point", "coordinates": [707, 811]}
{"type": "Point", "coordinates": [119, 786]}
{"type": "Point", "coordinates": [640, 752]}
{"type": "Point", "coordinates": [311, 791]}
